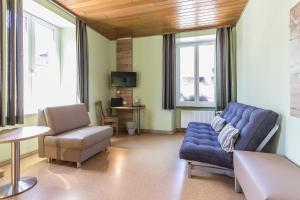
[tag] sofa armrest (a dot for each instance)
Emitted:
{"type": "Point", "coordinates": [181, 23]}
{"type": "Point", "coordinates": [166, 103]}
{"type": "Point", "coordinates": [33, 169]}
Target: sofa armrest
{"type": "Point", "coordinates": [41, 121]}
{"type": "Point", "coordinates": [41, 148]}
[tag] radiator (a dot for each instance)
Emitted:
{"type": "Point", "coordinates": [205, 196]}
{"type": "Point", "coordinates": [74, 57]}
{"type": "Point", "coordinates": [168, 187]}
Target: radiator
{"type": "Point", "coordinates": [188, 116]}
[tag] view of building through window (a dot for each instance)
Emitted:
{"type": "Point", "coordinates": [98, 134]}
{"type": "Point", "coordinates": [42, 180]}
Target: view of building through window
{"type": "Point", "coordinates": [196, 72]}
{"type": "Point", "coordinates": [49, 72]}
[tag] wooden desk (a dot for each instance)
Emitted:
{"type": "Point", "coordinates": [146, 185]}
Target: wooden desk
{"type": "Point", "coordinates": [138, 114]}
{"type": "Point", "coordinates": [14, 136]}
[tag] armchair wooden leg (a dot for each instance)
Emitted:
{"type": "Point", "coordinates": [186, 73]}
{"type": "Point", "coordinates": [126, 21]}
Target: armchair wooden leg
{"type": "Point", "coordinates": [117, 129]}
{"type": "Point", "coordinates": [78, 164]}
{"type": "Point", "coordinates": [49, 160]}
{"type": "Point", "coordinates": [1, 173]}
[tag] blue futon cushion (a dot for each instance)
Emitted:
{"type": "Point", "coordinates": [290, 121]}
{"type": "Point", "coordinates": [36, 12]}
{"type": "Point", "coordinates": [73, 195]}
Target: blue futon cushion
{"type": "Point", "coordinates": [201, 144]}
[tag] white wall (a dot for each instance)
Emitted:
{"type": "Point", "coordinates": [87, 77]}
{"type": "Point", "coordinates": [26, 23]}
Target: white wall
{"type": "Point", "coordinates": [263, 63]}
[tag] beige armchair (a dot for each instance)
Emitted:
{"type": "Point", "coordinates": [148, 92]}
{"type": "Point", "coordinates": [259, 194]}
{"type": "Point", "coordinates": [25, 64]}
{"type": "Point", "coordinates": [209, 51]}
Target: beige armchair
{"type": "Point", "coordinates": [71, 138]}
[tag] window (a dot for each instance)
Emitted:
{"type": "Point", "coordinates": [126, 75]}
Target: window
{"type": "Point", "coordinates": [196, 71]}
{"type": "Point", "coordinates": [42, 73]}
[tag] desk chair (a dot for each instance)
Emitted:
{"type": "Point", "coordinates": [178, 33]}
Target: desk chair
{"type": "Point", "coordinates": [105, 120]}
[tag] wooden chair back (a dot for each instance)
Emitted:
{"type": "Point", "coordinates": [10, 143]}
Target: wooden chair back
{"type": "Point", "coordinates": [99, 112]}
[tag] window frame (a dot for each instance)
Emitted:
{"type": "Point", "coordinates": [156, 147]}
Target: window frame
{"type": "Point", "coordinates": [31, 19]}
{"type": "Point", "coordinates": [196, 102]}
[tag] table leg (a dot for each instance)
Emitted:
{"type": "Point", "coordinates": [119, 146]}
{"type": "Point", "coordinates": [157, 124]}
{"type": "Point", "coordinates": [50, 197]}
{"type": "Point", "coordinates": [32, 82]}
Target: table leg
{"type": "Point", "coordinates": [17, 185]}
{"type": "Point", "coordinates": [138, 119]}
{"type": "Point", "coordinates": [15, 163]}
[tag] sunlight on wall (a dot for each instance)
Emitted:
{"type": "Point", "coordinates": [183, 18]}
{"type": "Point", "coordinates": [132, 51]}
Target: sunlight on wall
{"type": "Point", "coordinates": [263, 67]}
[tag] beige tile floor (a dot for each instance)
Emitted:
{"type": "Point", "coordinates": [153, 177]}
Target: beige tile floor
{"type": "Point", "coordinates": [144, 167]}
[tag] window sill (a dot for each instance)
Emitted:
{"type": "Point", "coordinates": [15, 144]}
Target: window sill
{"type": "Point", "coordinates": [196, 107]}
{"type": "Point", "coordinates": [206, 104]}
{"type": "Point", "coordinates": [29, 114]}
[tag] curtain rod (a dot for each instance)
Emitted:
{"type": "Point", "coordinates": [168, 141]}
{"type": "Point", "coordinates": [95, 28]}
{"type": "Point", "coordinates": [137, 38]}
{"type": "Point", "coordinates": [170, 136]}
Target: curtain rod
{"type": "Point", "coordinates": [58, 5]}
{"type": "Point", "coordinates": [62, 7]}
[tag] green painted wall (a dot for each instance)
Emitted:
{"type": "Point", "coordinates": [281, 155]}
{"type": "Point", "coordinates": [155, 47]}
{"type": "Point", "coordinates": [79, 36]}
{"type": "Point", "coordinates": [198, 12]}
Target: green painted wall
{"type": "Point", "coordinates": [263, 60]}
{"type": "Point", "coordinates": [112, 65]}
{"type": "Point", "coordinates": [26, 146]}
{"type": "Point", "coordinates": [99, 62]}
{"type": "Point", "coordinates": [147, 61]}
{"type": "Point", "coordinates": [99, 68]}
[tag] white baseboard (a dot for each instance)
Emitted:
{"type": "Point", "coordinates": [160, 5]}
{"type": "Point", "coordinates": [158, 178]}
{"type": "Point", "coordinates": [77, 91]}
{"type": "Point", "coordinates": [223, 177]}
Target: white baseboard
{"type": "Point", "coordinates": [158, 131]}
{"type": "Point", "coordinates": [25, 155]}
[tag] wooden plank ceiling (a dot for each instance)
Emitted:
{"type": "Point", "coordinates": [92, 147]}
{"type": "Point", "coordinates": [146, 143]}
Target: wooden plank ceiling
{"type": "Point", "coordinates": [135, 18]}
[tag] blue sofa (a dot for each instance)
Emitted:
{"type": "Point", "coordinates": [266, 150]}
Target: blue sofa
{"type": "Point", "coordinates": [201, 141]}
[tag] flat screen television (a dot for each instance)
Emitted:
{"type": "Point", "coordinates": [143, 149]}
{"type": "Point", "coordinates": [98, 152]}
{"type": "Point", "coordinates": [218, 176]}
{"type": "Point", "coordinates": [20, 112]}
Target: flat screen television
{"type": "Point", "coordinates": [123, 79]}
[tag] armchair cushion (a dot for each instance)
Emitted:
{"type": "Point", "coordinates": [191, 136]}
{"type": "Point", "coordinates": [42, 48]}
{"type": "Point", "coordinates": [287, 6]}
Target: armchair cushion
{"type": "Point", "coordinates": [66, 118]}
{"type": "Point", "coordinates": [80, 138]}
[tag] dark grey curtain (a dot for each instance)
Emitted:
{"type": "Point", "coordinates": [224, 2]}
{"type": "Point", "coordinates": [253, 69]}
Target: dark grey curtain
{"type": "Point", "coordinates": [225, 67]}
{"type": "Point", "coordinates": [169, 71]}
{"type": "Point", "coordinates": [1, 66]}
{"type": "Point", "coordinates": [82, 62]}
{"type": "Point", "coordinates": [15, 110]}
